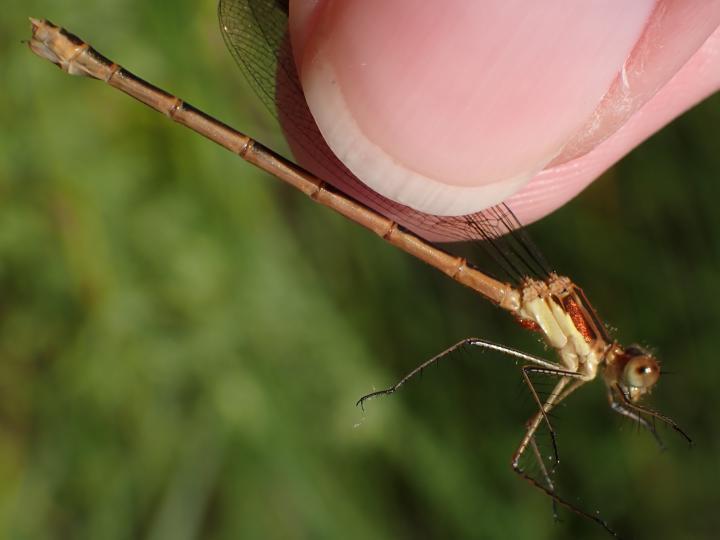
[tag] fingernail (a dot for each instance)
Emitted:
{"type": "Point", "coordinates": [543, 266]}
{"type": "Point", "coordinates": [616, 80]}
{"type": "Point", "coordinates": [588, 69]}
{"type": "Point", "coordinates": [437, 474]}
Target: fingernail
{"type": "Point", "coordinates": [673, 33]}
{"type": "Point", "coordinates": [451, 109]}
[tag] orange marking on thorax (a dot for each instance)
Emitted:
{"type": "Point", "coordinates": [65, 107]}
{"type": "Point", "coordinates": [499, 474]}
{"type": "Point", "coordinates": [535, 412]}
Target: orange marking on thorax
{"type": "Point", "coordinates": [528, 324]}
{"type": "Point", "coordinates": [578, 319]}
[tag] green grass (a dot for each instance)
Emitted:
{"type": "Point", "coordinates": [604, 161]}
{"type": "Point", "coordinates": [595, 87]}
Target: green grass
{"type": "Point", "coordinates": [182, 339]}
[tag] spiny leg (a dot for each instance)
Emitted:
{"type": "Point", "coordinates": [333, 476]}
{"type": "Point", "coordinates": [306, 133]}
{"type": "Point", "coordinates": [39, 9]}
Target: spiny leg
{"type": "Point", "coordinates": [557, 500]}
{"type": "Point", "coordinates": [539, 365]}
{"type": "Point", "coordinates": [577, 383]}
{"type": "Point", "coordinates": [556, 396]}
{"type": "Point", "coordinates": [547, 475]}
{"type": "Point", "coordinates": [650, 412]}
{"type": "Point", "coordinates": [469, 342]}
{"type": "Point", "coordinates": [526, 370]}
{"type": "Point", "coordinates": [635, 417]}
{"type": "Point", "coordinates": [534, 422]}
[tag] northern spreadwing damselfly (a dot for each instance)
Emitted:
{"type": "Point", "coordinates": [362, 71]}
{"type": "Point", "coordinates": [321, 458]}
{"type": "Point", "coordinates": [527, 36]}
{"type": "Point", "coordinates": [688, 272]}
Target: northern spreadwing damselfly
{"type": "Point", "coordinates": [538, 298]}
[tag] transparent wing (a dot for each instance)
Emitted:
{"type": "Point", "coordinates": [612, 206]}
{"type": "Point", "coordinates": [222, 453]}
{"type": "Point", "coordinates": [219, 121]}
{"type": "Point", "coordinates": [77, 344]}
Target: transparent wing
{"type": "Point", "coordinates": [255, 32]}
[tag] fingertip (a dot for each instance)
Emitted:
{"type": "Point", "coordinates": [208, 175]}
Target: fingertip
{"type": "Point", "coordinates": [557, 184]}
{"type": "Point", "coordinates": [396, 92]}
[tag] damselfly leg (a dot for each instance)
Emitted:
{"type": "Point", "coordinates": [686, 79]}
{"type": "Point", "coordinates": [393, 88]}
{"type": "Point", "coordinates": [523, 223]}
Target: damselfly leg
{"type": "Point", "coordinates": [559, 393]}
{"type": "Point", "coordinates": [629, 406]}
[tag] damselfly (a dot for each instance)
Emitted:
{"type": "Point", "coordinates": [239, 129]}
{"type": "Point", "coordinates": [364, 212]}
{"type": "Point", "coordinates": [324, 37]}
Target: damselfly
{"type": "Point", "coordinates": [541, 300]}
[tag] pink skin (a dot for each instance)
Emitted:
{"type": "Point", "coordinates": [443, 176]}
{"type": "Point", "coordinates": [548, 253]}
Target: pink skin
{"type": "Point", "coordinates": [452, 109]}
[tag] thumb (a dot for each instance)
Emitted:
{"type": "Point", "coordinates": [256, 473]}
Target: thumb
{"type": "Point", "coordinates": [452, 110]}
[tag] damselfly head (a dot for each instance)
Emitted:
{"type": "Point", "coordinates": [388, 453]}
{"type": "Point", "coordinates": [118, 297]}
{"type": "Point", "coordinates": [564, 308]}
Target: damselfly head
{"type": "Point", "coordinates": [640, 372]}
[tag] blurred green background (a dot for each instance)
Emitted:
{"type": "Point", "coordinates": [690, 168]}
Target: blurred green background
{"type": "Point", "coordinates": [182, 338]}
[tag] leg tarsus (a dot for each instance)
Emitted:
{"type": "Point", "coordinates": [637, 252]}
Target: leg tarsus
{"type": "Point", "coordinates": [639, 409]}
{"type": "Point", "coordinates": [372, 395]}
{"type": "Point", "coordinates": [639, 420]}
{"type": "Point", "coordinates": [555, 397]}
{"type": "Point", "coordinates": [547, 366]}
{"type": "Point", "coordinates": [562, 502]}
{"type": "Point", "coordinates": [546, 476]}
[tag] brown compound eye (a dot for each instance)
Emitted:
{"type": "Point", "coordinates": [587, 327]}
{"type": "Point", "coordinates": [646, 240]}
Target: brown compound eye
{"type": "Point", "coordinates": [641, 372]}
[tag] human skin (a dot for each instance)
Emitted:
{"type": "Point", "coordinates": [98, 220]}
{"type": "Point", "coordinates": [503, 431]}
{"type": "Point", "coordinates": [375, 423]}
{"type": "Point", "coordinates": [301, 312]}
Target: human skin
{"type": "Point", "coordinates": [452, 110]}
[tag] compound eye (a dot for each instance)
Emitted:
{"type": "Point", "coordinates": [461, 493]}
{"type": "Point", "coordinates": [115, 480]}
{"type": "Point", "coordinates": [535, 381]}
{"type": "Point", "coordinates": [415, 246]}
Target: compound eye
{"type": "Point", "coordinates": [641, 372]}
